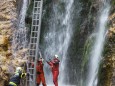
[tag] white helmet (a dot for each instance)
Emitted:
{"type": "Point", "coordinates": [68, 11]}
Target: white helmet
{"type": "Point", "coordinates": [56, 56]}
{"type": "Point", "coordinates": [18, 69]}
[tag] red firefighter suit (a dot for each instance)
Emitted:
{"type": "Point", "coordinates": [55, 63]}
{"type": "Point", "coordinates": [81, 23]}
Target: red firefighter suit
{"type": "Point", "coordinates": [54, 65]}
{"type": "Point", "coordinates": [40, 73]}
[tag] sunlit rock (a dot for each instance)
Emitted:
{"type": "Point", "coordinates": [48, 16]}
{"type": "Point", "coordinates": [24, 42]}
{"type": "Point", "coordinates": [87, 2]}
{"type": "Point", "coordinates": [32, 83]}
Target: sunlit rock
{"type": "Point", "coordinates": [8, 21]}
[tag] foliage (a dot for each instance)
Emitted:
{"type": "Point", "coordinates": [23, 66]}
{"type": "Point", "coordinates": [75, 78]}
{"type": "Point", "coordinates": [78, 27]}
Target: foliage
{"type": "Point", "coordinates": [113, 2]}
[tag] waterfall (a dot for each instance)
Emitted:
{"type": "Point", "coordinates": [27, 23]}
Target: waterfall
{"type": "Point", "coordinates": [58, 36]}
{"type": "Point", "coordinates": [20, 34]}
{"type": "Point", "coordinates": [23, 14]}
{"type": "Point", "coordinates": [96, 53]}
{"type": "Point", "coordinates": [67, 23]}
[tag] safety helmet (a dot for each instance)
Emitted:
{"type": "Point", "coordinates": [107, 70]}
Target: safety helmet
{"type": "Point", "coordinates": [18, 69]}
{"type": "Point", "coordinates": [56, 56]}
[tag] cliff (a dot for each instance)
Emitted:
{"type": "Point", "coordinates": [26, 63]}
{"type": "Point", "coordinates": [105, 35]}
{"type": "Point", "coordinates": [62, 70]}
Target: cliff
{"type": "Point", "coordinates": [8, 25]}
{"type": "Point", "coordinates": [83, 24]}
{"type": "Point", "coordinates": [107, 73]}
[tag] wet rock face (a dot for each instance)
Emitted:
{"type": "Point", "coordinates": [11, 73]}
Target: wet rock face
{"type": "Point", "coordinates": [107, 74]}
{"type": "Point", "coordinates": [110, 55]}
{"type": "Point", "coordinates": [19, 5]}
{"type": "Point", "coordinates": [8, 24]}
{"type": "Point", "coordinates": [83, 26]}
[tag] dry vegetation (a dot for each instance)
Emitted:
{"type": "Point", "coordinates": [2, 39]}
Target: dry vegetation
{"type": "Point", "coordinates": [8, 62]}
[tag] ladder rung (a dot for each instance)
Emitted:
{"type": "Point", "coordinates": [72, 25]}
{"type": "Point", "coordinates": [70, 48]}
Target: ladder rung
{"type": "Point", "coordinates": [37, 7]}
{"type": "Point", "coordinates": [31, 74]}
{"type": "Point", "coordinates": [29, 80]}
{"type": "Point", "coordinates": [33, 43]}
{"type": "Point", "coordinates": [29, 62]}
{"type": "Point", "coordinates": [35, 28]}
{"type": "Point", "coordinates": [32, 56]}
{"type": "Point", "coordinates": [35, 19]}
{"type": "Point", "coordinates": [36, 14]}
{"type": "Point", "coordinates": [35, 25]}
{"type": "Point", "coordinates": [38, 1]}
{"type": "Point", "coordinates": [33, 37]}
{"type": "Point", "coordinates": [32, 49]}
{"type": "Point", "coordinates": [32, 53]}
{"type": "Point", "coordinates": [31, 68]}
{"type": "Point", "coordinates": [32, 46]}
{"type": "Point", "coordinates": [34, 31]}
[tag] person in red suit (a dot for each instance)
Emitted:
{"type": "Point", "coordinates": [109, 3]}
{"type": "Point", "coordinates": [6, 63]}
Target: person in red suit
{"type": "Point", "coordinates": [40, 72]}
{"type": "Point", "coordinates": [54, 65]}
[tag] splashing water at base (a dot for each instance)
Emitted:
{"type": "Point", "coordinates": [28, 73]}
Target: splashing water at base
{"type": "Point", "coordinates": [66, 22]}
{"type": "Point", "coordinates": [58, 37]}
{"type": "Point", "coordinates": [95, 57]}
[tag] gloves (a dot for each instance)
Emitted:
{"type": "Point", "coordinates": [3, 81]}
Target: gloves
{"type": "Point", "coordinates": [23, 75]}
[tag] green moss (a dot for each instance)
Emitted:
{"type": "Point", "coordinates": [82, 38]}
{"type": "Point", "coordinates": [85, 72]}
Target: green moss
{"type": "Point", "coordinates": [86, 56]}
{"type": "Point", "coordinates": [87, 50]}
{"type": "Point", "coordinates": [113, 2]}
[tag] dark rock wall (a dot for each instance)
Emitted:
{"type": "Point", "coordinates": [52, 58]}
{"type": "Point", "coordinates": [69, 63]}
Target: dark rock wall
{"type": "Point", "coordinates": [83, 28]}
{"type": "Point", "coordinates": [107, 71]}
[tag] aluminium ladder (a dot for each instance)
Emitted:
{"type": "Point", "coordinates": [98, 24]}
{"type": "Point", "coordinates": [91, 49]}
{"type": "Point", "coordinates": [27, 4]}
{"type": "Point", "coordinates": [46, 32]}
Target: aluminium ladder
{"type": "Point", "coordinates": [34, 42]}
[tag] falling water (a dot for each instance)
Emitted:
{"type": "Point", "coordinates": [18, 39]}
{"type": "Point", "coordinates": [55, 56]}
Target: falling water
{"type": "Point", "coordinates": [58, 37]}
{"type": "Point", "coordinates": [98, 46]}
{"type": "Point", "coordinates": [67, 23]}
{"type": "Point", "coordinates": [20, 35]}
{"type": "Point", "coordinates": [23, 14]}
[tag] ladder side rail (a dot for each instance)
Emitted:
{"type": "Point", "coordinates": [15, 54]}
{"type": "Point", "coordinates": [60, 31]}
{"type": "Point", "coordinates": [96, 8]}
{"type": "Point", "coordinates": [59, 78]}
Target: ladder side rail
{"type": "Point", "coordinates": [35, 40]}
{"type": "Point", "coordinates": [32, 23]}
{"type": "Point", "coordinates": [28, 81]}
{"type": "Point", "coordinates": [36, 56]}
